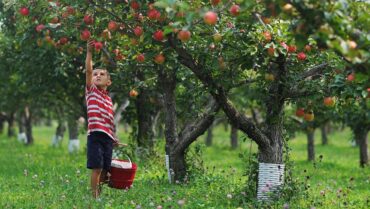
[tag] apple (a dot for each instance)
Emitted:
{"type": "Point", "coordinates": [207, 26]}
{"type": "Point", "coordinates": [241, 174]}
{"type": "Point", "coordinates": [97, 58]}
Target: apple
{"type": "Point", "coordinates": [352, 44]}
{"type": "Point", "coordinates": [70, 10]}
{"type": "Point", "coordinates": [40, 27]}
{"type": "Point", "coordinates": [299, 112]}
{"type": "Point", "coordinates": [284, 45]}
{"type": "Point", "coordinates": [140, 58]}
{"type": "Point", "coordinates": [112, 26]}
{"type": "Point", "coordinates": [138, 31]}
{"type": "Point", "coordinates": [159, 59]}
{"type": "Point", "coordinates": [116, 51]}
{"type": "Point", "coordinates": [210, 18]}
{"type": "Point", "coordinates": [271, 51]}
{"type": "Point", "coordinates": [301, 56]}
{"type": "Point", "coordinates": [309, 116]}
{"type": "Point", "coordinates": [158, 35]}
{"type": "Point", "coordinates": [134, 41]}
{"type": "Point", "coordinates": [63, 40]}
{"type": "Point", "coordinates": [221, 62]}
{"type": "Point", "coordinates": [184, 35]}
{"type": "Point", "coordinates": [308, 48]}
{"type": "Point", "coordinates": [217, 37]}
{"type": "Point", "coordinates": [329, 101]}
{"type": "Point", "coordinates": [119, 57]}
{"type": "Point", "coordinates": [88, 19]}
{"type": "Point", "coordinates": [267, 36]}
{"type": "Point", "coordinates": [292, 48]}
{"type": "Point", "coordinates": [351, 77]}
{"type": "Point", "coordinates": [154, 14]}
{"type": "Point", "coordinates": [54, 20]}
{"type": "Point", "coordinates": [287, 8]}
{"type": "Point", "coordinates": [85, 35]}
{"type": "Point", "coordinates": [24, 11]}
{"type": "Point", "coordinates": [269, 77]}
{"type": "Point", "coordinates": [266, 20]}
{"type": "Point", "coordinates": [215, 2]}
{"type": "Point", "coordinates": [134, 5]}
{"type": "Point", "coordinates": [98, 46]}
{"type": "Point", "coordinates": [234, 10]}
{"type": "Point", "coordinates": [133, 93]}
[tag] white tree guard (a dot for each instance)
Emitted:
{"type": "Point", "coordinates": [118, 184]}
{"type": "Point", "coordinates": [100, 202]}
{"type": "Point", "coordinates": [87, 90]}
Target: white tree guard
{"type": "Point", "coordinates": [73, 145]}
{"type": "Point", "coordinates": [56, 141]}
{"type": "Point", "coordinates": [22, 137]}
{"type": "Point", "coordinates": [270, 179]}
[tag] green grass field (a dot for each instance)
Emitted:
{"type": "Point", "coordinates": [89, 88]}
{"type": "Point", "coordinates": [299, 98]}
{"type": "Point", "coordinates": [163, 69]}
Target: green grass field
{"type": "Point", "coordinates": [40, 176]}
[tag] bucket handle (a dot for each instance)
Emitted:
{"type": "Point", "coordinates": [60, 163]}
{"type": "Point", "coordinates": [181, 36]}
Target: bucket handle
{"type": "Point", "coordinates": [129, 160]}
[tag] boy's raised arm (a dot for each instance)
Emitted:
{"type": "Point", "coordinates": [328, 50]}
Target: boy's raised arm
{"type": "Point", "coordinates": [89, 63]}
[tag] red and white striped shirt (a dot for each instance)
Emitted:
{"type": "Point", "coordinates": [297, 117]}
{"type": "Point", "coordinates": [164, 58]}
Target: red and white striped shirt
{"type": "Point", "coordinates": [99, 111]}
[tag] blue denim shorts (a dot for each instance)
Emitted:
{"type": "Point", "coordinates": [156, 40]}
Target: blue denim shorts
{"type": "Point", "coordinates": [99, 151]}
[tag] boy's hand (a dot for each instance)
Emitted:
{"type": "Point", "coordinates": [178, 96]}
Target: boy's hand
{"type": "Point", "coordinates": [119, 144]}
{"type": "Point", "coordinates": [90, 45]}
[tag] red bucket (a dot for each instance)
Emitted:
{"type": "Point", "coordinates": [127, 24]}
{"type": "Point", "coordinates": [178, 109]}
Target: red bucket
{"type": "Point", "coordinates": [122, 178]}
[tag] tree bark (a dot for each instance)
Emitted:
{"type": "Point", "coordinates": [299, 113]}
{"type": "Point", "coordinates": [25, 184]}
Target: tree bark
{"type": "Point", "coordinates": [324, 134]}
{"type": "Point", "coordinates": [311, 145]}
{"type": "Point", "coordinates": [209, 137]}
{"type": "Point", "coordinates": [74, 143]}
{"type": "Point", "coordinates": [177, 143]}
{"type": "Point", "coordinates": [10, 121]}
{"type": "Point", "coordinates": [145, 116]}
{"type": "Point", "coordinates": [2, 120]}
{"type": "Point", "coordinates": [28, 125]}
{"type": "Point", "coordinates": [360, 133]}
{"type": "Point", "coordinates": [234, 137]}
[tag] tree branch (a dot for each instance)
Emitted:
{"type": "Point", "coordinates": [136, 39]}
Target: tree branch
{"type": "Point", "coordinates": [316, 70]}
{"type": "Point", "coordinates": [237, 118]}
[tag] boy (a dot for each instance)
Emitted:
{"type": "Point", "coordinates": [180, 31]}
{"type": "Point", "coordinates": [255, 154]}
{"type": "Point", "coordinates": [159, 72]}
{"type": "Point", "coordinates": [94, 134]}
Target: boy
{"type": "Point", "coordinates": [101, 136]}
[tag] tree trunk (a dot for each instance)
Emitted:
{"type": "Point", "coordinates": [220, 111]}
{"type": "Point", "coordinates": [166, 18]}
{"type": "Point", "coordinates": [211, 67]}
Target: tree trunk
{"type": "Point", "coordinates": [324, 134]}
{"type": "Point", "coordinates": [311, 145]}
{"type": "Point", "coordinates": [59, 134]}
{"type": "Point", "coordinates": [145, 117]}
{"type": "Point", "coordinates": [360, 133]}
{"type": "Point", "coordinates": [74, 143]}
{"type": "Point", "coordinates": [10, 121]}
{"type": "Point", "coordinates": [209, 137]}
{"type": "Point", "coordinates": [28, 125]}
{"type": "Point", "coordinates": [234, 137]}
{"type": "Point", "coordinates": [2, 120]}
{"type": "Point", "coordinates": [21, 120]}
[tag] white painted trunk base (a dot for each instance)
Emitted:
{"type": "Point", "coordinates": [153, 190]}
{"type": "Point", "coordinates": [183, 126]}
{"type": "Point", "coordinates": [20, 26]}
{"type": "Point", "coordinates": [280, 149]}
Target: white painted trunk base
{"type": "Point", "coordinates": [73, 145]}
{"type": "Point", "coordinates": [270, 179]}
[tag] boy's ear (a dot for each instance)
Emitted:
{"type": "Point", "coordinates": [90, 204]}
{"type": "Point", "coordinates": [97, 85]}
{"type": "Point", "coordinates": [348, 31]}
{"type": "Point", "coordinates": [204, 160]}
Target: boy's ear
{"type": "Point", "coordinates": [109, 82]}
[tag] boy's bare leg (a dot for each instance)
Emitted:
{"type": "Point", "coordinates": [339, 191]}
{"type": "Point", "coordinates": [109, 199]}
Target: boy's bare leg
{"type": "Point", "coordinates": [104, 177]}
{"type": "Point", "coordinates": [95, 180]}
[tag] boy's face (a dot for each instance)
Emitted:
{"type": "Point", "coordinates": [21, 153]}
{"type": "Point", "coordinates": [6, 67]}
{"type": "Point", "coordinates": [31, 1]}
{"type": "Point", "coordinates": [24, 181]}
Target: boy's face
{"type": "Point", "coordinates": [101, 79]}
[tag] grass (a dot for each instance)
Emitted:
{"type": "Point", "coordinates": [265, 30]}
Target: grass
{"type": "Point", "coordinates": [40, 176]}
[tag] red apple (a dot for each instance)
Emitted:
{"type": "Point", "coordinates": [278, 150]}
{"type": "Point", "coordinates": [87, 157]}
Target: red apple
{"type": "Point", "coordinates": [88, 19]}
{"type": "Point", "coordinates": [70, 10]}
{"type": "Point", "coordinates": [98, 46]}
{"type": "Point", "coordinates": [308, 48]}
{"type": "Point", "coordinates": [24, 11]}
{"type": "Point", "coordinates": [309, 116]}
{"type": "Point", "coordinates": [184, 35]}
{"type": "Point", "coordinates": [210, 18]}
{"type": "Point", "coordinates": [267, 36]}
{"type": "Point", "coordinates": [54, 20]}
{"type": "Point", "coordinates": [138, 31]}
{"type": "Point", "coordinates": [134, 5]}
{"type": "Point", "coordinates": [292, 48]}
{"type": "Point", "coordinates": [40, 27]}
{"type": "Point", "coordinates": [351, 77]}
{"type": "Point", "coordinates": [284, 45]}
{"type": "Point", "coordinates": [234, 10]}
{"type": "Point", "coordinates": [215, 2]}
{"type": "Point", "coordinates": [329, 101]}
{"type": "Point", "coordinates": [299, 112]}
{"type": "Point", "coordinates": [140, 58]}
{"type": "Point", "coordinates": [271, 51]}
{"type": "Point", "coordinates": [158, 35]}
{"type": "Point", "coordinates": [154, 14]}
{"type": "Point", "coordinates": [159, 59]}
{"type": "Point", "coordinates": [85, 35]}
{"type": "Point", "coordinates": [112, 26]}
{"type": "Point", "coordinates": [133, 93]}
{"type": "Point", "coordinates": [63, 40]}
{"type": "Point", "coordinates": [301, 56]}
{"type": "Point", "coordinates": [352, 44]}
